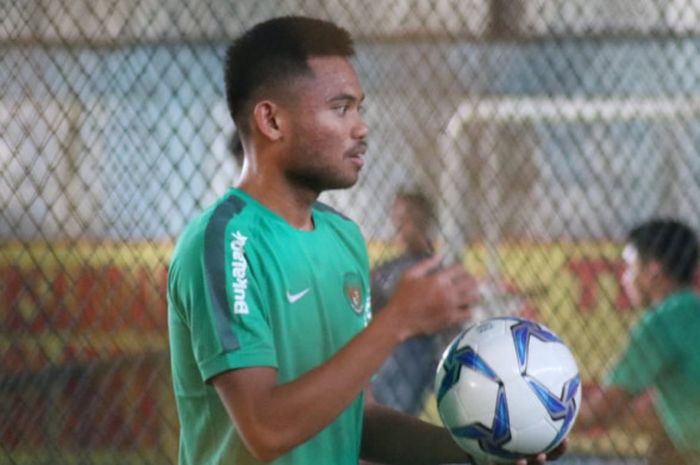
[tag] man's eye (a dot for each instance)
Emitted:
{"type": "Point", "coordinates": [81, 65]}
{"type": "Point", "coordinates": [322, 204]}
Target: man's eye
{"type": "Point", "coordinates": [341, 110]}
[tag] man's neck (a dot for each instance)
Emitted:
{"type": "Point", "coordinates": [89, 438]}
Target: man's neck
{"type": "Point", "coordinates": [662, 291]}
{"type": "Point", "coordinates": [294, 205]}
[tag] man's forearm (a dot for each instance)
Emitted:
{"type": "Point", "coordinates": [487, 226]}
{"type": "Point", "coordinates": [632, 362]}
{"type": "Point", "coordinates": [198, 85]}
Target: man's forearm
{"type": "Point", "coordinates": [392, 437]}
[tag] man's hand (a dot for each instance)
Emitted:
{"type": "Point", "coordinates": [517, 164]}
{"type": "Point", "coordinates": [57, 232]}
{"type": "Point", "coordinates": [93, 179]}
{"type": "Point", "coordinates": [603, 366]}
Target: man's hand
{"type": "Point", "coordinates": [535, 460]}
{"type": "Point", "coordinates": [428, 298]}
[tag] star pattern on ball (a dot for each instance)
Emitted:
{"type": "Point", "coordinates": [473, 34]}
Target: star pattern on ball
{"type": "Point", "coordinates": [491, 439]}
{"type": "Point", "coordinates": [559, 407]}
{"type": "Point", "coordinates": [522, 332]}
{"type": "Point", "coordinates": [458, 358]}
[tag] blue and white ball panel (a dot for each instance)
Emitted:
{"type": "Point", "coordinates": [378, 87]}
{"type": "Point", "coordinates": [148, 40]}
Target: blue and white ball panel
{"type": "Point", "coordinates": [531, 432]}
{"type": "Point", "coordinates": [455, 385]}
{"type": "Point", "coordinates": [500, 390]}
{"type": "Point", "coordinates": [553, 363]}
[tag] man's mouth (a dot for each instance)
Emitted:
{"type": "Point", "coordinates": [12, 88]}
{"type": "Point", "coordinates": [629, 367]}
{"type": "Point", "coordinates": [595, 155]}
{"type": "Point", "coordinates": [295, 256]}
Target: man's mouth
{"type": "Point", "coordinates": [358, 151]}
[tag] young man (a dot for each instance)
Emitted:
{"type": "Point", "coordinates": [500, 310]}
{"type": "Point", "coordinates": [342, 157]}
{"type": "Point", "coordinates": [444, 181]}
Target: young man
{"type": "Point", "coordinates": [268, 292]}
{"type": "Point", "coordinates": [661, 259]}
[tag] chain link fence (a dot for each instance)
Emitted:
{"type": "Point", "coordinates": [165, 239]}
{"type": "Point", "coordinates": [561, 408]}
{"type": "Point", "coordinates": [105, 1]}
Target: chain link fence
{"type": "Point", "coordinates": [541, 129]}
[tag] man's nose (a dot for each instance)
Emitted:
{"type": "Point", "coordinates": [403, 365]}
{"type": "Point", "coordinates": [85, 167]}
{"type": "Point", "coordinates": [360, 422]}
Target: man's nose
{"type": "Point", "coordinates": [360, 130]}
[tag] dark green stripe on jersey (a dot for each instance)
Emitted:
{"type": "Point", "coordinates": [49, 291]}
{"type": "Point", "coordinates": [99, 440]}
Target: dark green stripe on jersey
{"type": "Point", "coordinates": [215, 268]}
{"type": "Point", "coordinates": [322, 207]}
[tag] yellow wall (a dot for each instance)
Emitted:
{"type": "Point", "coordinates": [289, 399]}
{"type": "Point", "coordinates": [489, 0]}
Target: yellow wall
{"type": "Point", "coordinates": [67, 304]}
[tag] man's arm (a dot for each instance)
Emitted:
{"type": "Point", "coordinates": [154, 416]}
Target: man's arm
{"type": "Point", "coordinates": [273, 418]}
{"type": "Point", "coordinates": [391, 437]}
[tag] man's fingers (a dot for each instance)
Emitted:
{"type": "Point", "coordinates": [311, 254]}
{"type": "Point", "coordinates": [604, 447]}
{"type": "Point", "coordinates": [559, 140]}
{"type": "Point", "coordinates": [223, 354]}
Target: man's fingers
{"type": "Point", "coordinates": [466, 288]}
{"type": "Point", "coordinates": [559, 450]}
{"type": "Point", "coordinates": [538, 459]}
{"type": "Point", "coordinates": [424, 267]}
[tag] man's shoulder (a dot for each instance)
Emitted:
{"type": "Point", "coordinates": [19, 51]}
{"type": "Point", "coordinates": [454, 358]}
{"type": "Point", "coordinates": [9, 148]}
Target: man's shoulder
{"type": "Point", "coordinates": [329, 211]}
{"type": "Point", "coordinates": [680, 307]}
{"type": "Point", "coordinates": [678, 313]}
{"type": "Point", "coordinates": [213, 222]}
{"type": "Point", "coordinates": [338, 220]}
{"type": "Point", "coordinates": [679, 301]}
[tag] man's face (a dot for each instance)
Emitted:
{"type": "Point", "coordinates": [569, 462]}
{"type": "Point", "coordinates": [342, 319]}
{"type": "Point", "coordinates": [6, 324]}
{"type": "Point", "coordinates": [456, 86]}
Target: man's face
{"type": "Point", "coordinates": [638, 277]}
{"type": "Point", "coordinates": [328, 134]}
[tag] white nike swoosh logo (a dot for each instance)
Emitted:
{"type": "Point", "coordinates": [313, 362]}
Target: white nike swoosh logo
{"type": "Point", "coordinates": [294, 297]}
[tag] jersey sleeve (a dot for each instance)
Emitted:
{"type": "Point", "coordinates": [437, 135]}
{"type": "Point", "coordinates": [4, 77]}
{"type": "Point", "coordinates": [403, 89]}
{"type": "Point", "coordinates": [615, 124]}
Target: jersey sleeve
{"type": "Point", "coordinates": [650, 351]}
{"type": "Point", "coordinates": [220, 300]}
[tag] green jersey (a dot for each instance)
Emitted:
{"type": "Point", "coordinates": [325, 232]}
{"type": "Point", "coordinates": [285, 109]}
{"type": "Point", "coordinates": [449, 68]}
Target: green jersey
{"type": "Point", "coordinates": [245, 289]}
{"type": "Point", "coordinates": [662, 353]}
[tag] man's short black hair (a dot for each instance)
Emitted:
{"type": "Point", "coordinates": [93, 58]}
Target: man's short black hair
{"type": "Point", "coordinates": [235, 147]}
{"type": "Point", "coordinates": [673, 244]}
{"type": "Point", "coordinates": [274, 52]}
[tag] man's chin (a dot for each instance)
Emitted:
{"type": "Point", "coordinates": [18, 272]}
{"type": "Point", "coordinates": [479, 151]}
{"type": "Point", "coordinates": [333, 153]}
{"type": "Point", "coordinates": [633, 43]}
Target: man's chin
{"type": "Point", "coordinates": [320, 184]}
{"type": "Point", "coordinates": [344, 183]}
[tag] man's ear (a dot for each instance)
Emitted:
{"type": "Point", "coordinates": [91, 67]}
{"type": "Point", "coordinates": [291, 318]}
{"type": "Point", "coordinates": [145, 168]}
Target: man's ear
{"type": "Point", "coordinates": [267, 117]}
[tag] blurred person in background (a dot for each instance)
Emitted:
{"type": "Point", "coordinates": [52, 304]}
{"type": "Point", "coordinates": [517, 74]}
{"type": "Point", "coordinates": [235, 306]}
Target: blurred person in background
{"type": "Point", "coordinates": [403, 379]}
{"type": "Point", "coordinates": [662, 354]}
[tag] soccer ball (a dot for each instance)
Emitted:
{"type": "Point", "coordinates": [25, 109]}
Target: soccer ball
{"type": "Point", "coordinates": [507, 388]}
